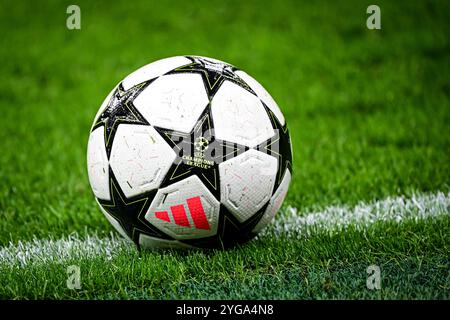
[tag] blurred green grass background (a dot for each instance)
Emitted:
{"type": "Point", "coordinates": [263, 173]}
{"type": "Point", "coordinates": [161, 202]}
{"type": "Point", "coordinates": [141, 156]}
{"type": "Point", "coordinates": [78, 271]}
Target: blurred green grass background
{"type": "Point", "coordinates": [368, 110]}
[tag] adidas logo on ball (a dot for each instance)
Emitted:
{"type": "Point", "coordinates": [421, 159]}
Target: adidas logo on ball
{"type": "Point", "coordinates": [180, 218]}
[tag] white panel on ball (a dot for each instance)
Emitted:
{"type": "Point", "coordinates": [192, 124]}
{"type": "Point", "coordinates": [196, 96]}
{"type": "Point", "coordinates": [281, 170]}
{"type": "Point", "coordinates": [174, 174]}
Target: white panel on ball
{"type": "Point", "coordinates": [114, 223]}
{"type": "Point", "coordinates": [153, 70]}
{"type": "Point", "coordinates": [185, 210]}
{"type": "Point", "coordinates": [97, 162]}
{"type": "Point", "coordinates": [140, 158]}
{"type": "Point", "coordinates": [275, 203]}
{"type": "Point", "coordinates": [173, 101]}
{"type": "Point", "coordinates": [262, 94]}
{"type": "Point", "coordinates": [157, 243]}
{"type": "Point", "coordinates": [246, 182]}
{"type": "Point", "coordinates": [239, 116]}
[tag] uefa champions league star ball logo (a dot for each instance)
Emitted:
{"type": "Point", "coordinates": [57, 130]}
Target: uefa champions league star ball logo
{"type": "Point", "coordinates": [201, 144]}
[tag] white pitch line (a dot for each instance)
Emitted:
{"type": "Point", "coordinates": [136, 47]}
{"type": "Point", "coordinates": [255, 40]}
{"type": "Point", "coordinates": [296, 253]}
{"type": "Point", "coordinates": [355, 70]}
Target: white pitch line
{"type": "Point", "coordinates": [337, 218]}
{"type": "Point", "coordinates": [61, 250]}
{"type": "Point", "coordinates": [289, 223]}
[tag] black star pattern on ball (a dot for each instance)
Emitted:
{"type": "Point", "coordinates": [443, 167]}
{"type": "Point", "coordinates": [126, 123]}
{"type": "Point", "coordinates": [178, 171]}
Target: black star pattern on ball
{"type": "Point", "coordinates": [214, 73]}
{"type": "Point", "coordinates": [192, 161]}
{"type": "Point", "coordinates": [130, 212]}
{"type": "Point", "coordinates": [278, 146]}
{"type": "Point", "coordinates": [120, 109]}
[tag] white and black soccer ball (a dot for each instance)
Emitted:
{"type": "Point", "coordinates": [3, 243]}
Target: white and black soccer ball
{"type": "Point", "coordinates": [189, 152]}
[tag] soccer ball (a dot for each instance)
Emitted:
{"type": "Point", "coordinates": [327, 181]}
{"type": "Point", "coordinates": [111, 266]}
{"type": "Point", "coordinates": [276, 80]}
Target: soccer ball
{"type": "Point", "coordinates": [189, 152]}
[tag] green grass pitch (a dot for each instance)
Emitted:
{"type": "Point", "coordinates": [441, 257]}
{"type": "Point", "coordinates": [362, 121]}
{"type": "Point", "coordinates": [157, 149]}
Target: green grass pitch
{"type": "Point", "coordinates": [368, 112]}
